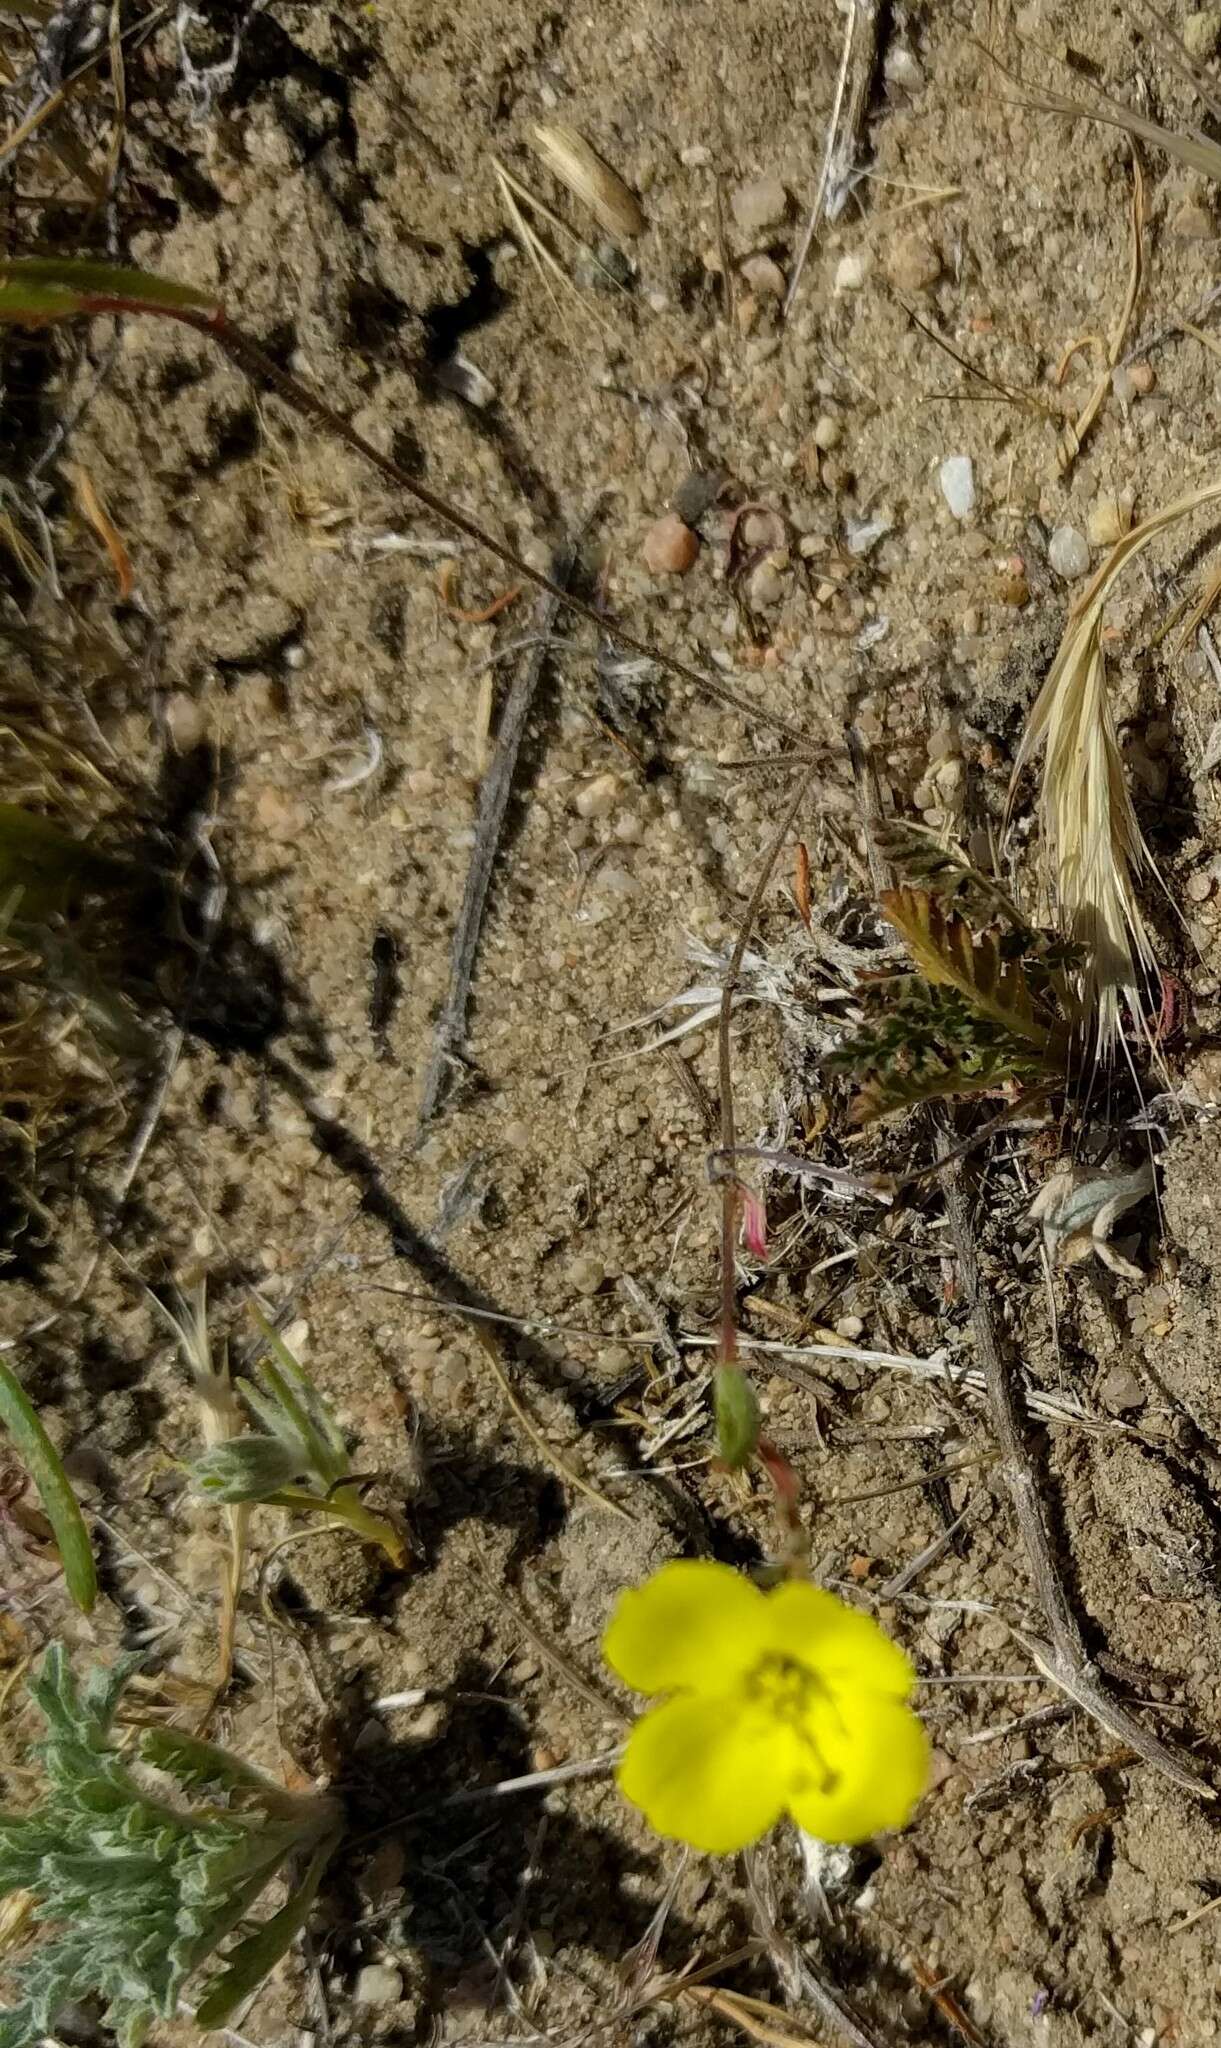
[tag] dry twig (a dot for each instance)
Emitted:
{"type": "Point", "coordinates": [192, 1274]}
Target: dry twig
{"type": "Point", "coordinates": [1062, 1657]}
{"type": "Point", "coordinates": [495, 791]}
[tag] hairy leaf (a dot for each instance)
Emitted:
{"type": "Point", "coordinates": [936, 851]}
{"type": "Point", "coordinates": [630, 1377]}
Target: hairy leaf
{"type": "Point", "coordinates": [136, 1891]}
{"type": "Point", "coordinates": [885, 1092]}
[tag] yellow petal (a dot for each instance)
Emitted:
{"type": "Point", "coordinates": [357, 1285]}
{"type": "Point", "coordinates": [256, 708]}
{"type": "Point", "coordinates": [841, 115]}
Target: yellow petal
{"type": "Point", "coordinates": [845, 1648]}
{"type": "Point", "coordinates": [876, 1753]}
{"type": "Point", "coordinates": [694, 1623]}
{"type": "Point", "coordinates": [710, 1771]}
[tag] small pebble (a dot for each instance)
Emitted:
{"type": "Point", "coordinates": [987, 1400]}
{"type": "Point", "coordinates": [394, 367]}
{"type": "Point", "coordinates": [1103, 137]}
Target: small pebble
{"type": "Point", "coordinates": [1069, 553]}
{"type": "Point", "coordinates": [852, 270]}
{"type": "Point", "coordinates": [765, 278]}
{"type": "Point", "coordinates": [902, 68]}
{"type": "Point", "coordinates": [1121, 1391]}
{"type": "Point", "coordinates": [1108, 520]}
{"type": "Point", "coordinates": [1201, 32]}
{"type": "Point", "coordinates": [696, 156]}
{"type": "Point", "coordinates": [377, 1984]}
{"type": "Point", "coordinates": [949, 780]}
{"type": "Point", "coordinates": [670, 547]}
{"type": "Point", "coordinates": [598, 798]}
{"type": "Point", "coordinates": [957, 479]}
{"type": "Point", "coordinates": [863, 535]}
{"type": "Point", "coordinates": [759, 203]}
{"type": "Point", "coordinates": [766, 585]}
{"type": "Point", "coordinates": [586, 1274]}
{"type": "Point", "coordinates": [912, 263]}
{"type": "Point", "coordinates": [1143, 378]}
{"type": "Point", "coordinates": [850, 1328]}
{"type": "Point", "coordinates": [185, 721]}
{"type": "Point", "coordinates": [1011, 587]}
{"type": "Point", "coordinates": [1193, 223]}
{"type": "Point", "coordinates": [1199, 886]}
{"type": "Point", "coordinates": [827, 431]}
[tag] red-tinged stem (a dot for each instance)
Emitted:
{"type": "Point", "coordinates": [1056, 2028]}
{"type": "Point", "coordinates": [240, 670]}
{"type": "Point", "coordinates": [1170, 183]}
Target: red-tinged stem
{"type": "Point", "coordinates": [787, 1490]}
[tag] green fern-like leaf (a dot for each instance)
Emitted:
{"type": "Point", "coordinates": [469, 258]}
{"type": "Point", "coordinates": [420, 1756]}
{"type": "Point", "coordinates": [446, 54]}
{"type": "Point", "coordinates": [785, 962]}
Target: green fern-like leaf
{"type": "Point", "coordinates": [946, 951]}
{"type": "Point", "coordinates": [979, 1011]}
{"type": "Point", "coordinates": [921, 856]}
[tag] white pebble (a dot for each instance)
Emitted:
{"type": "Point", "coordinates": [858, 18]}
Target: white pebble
{"type": "Point", "coordinates": [827, 432]}
{"type": "Point", "coordinates": [864, 534]}
{"type": "Point", "coordinates": [957, 479]}
{"type": "Point", "coordinates": [901, 68]}
{"type": "Point", "coordinates": [377, 1984]}
{"type": "Point", "coordinates": [598, 798]}
{"type": "Point", "coordinates": [852, 270]}
{"type": "Point", "coordinates": [1069, 553]}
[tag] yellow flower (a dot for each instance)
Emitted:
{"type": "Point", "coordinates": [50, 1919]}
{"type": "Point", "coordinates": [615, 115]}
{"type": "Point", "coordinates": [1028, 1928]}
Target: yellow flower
{"type": "Point", "coordinates": [780, 1702]}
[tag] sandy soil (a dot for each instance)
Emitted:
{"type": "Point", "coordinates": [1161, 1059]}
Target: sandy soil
{"type": "Point", "coordinates": [300, 695]}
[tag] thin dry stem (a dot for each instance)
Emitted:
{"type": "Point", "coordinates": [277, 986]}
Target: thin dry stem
{"type": "Point", "coordinates": [1063, 1657]}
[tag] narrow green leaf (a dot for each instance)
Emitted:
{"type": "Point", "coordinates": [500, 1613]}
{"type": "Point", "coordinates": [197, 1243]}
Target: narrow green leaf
{"type": "Point", "coordinates": [41, 1460]}
{"type": "Point", "coordinates": [250, 1962]}
{"type": "Point", "coordinates": [41, 865]}
{"type": "Point", "coordinates": [37, 289]}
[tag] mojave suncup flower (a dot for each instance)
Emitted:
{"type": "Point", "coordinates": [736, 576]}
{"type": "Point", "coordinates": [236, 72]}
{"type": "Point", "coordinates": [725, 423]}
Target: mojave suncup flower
{"type": "Point", "coordinates": [779, 1702]}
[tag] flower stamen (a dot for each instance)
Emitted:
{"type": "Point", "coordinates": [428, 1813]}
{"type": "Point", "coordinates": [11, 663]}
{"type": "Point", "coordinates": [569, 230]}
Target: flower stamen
{"type": "Point", "coordinates": [788, 1689]}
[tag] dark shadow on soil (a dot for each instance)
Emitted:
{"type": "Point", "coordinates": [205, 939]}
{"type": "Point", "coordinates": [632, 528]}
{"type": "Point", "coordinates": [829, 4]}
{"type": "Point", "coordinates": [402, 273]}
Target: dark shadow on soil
{"type": "Point", "coordinates": [473, 1865]}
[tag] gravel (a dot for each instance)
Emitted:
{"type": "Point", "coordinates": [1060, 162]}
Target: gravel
{"type": "Point", "coordinates": [759, 203]}
{"type": "Point", "coordinates": [1069, 553]}
{"type": "Point", "coordinates": [957, 479]}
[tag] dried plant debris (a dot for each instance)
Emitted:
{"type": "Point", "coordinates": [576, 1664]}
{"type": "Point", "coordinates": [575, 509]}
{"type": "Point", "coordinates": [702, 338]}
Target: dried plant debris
{"type": "Point", "coordinates": [980, 1011]}
{"type": "Point", "coordinates": [1092, 843]}
{"type": "Point", "coordinates": [1078, 1209]}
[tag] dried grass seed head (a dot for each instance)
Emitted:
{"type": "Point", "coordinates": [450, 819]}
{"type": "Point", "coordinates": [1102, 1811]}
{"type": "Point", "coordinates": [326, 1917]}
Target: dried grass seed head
{"type": "Point", "coordinates": [1093, 847]}
{"type": "Point", "coordinates": [577, 165]}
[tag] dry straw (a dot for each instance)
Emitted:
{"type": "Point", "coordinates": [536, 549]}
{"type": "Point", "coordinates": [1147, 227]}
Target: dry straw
{"type": "Point", "coordinates": [1092, 841]}
{"type": "Point", "coordinates": [572, 160]}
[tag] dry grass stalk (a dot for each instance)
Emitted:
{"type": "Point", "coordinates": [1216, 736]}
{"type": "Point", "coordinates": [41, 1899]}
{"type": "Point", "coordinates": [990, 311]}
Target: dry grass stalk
{"type": "Point", "coordinates": [515, 196]}
{"type": "Point", "coordinates": [1092, 841]}
{"type": "Point", "coordinates": [1075, 431]}
{"type": "Point", "coordinates": [1193, 150]}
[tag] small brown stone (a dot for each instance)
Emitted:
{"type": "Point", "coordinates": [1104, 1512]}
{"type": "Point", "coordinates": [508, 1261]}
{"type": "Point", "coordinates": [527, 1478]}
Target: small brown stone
{"type": "Point", "coordinates": [1143, 378]}
{"type": "Point", "coordinates": [1121, 1391]}
{"type": "Point", "coordinates": [765, 278]}
{"type": "Point", "coordinates": [912, 263]}
{"type": "Point", "coordinates": [670, 547]}
{"type": "Point", "coordinates": [1193, 223]}
{"type": "Point", "coordinates": [1011, 588]}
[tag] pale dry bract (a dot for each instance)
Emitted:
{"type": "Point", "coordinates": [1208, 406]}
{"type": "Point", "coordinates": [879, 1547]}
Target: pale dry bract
{"type": "Point", "coordinates": [576, 164]}
{"type": "Point", "coordinates": [1092, 843]}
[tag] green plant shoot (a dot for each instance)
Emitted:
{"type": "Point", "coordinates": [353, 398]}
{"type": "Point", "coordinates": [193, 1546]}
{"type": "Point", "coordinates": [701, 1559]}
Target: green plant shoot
{"type": "Point", "coordinates": [42, 1461]}
{"type": "Point", "coordinates": [298, 1458]}
{"type": "Point", "coordinates": [135, 1889]}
